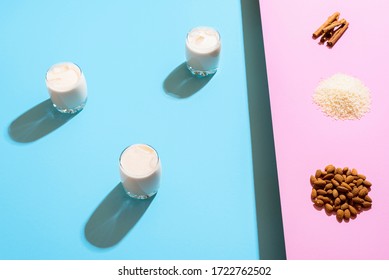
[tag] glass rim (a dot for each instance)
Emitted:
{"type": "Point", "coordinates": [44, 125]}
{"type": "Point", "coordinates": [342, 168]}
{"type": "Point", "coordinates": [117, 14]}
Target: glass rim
{"type": "Point", "coordinates": [138, 144]}
{"type": "Point", "coordinates": [64, 63]}
{"type": "Point", "coordinates": [205, 27]}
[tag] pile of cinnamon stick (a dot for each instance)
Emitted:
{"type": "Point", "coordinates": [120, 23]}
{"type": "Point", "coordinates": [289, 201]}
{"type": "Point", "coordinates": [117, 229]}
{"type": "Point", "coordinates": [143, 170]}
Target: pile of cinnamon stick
{"type": "Point", "coordinates": [331, 30]}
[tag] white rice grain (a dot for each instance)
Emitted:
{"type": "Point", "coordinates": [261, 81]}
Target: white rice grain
{"type": "Point", "coordinates": [342, 97]}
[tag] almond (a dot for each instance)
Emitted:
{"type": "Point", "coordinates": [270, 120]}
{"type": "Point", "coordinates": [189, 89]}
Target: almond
{"type": "Point", "coordinates": [339, 171]}
{"type": "Point", "coordinates": [359, 182]}
{"type": "Point", "coordinates": [363, 192]}
{"type": "Point", "coordinates": [328, 208]}
{"type": "Point", "coordinates": [320, 183]}
{"type": "Point", "coordinates": [353, 211]}
{"type": "Point", "coordinates": [313, 194]}
{"type": "Point", "coordinates": [342, 189]}
{"type": "Point", "coordinates": [347, 214]}
{"type": "Point", "coordinates": [313, 180]}
{"type": "Point", "coordinates": [349, 179]}
{"type": "Point", "coordinates": [330, 168]}
{"type": "Point", "coordinates": [339, 214]}
{"type": "Point", "coordinates": [344, 184]}
{"type": "Point", "coordinates": [366, 204]}
{"type": "Point", "coordinates": [355, 191]}
{"type": "Point", "coordinates": [344, 206]}
{"type": "Point", "coordinates": [338, 178]}
{"type": "Point", "coordinates": [362, 176]}
{"type": "Point", "coordinates": [328, 186]}
{"type": "Point", "coordinates": [367, 183]}
{"type": "Point", "coordinates": [319, 202]}
{"type": "Point", "coordinates": [358, 200]}
{"type": "Point", "coordinates": [321, 192]}
{"type": "Point", "coordinates": [329, 176]}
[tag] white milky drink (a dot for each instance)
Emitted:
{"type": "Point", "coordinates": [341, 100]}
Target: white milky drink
{"type": "Point", "coordinates": [66, 85]}
{"type": "Point", "coordinates": [203, 47]}
{"type": "Point", "coordinates": [140, 171]}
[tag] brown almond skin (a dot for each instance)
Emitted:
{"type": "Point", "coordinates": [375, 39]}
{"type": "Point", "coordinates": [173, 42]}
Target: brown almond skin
{"type": "Point", "coordinates": [367, 183]}
{"type": "Point", "coordinates": [335, 183]}
{"type": "Point", "coordinates": [339, 214]}
{"type": "Point", "coordinates": [353, 211]}
{"type": "Point", "coordinates": [320, 183]}
{"type": "Point", "coordinates": [362, 176]}
{"type": "Point", "coordinates": [357, 200]}
{"type": "Point", "coordinates": [366, 204]}
{"type": "Point", "coordinates": [354, 172]}
{"type": "Point", "coordinates": [359, 182]}
{"type": "Point", "coordinates": [342, 197]}
{"type": "Point", "coordinates": [349, 179]}
{"type": "Point", "coordinates": [330, 168]}
{"type": "Point", "coordinates": [347, 214]}
{"type": "Point", "coordinates": [329, 176]}
{"type": "Point", "coordinates": [335, 193]}
{"type": "Point", "coordinates": [313, 194]}
{"type": "Point", "coordinates": [349, 195]}
{"type": "Point", "coordinates": [319, 203]}
{"type": "Point", "coordinates": [328, 207]}
{"type": "Point", "coordinates": [355, 191]}
{"type": "Point", "coordinates": [368, 199]}
{"type": "Point", "coordinates": [344, 206]}
{"type": "Point", "coordinates": [363, 192]}
{"type": "Point", "coordinates": [338, 178]}
{"type": "Point", "coordinates": [342, 189]}
{"type": "Point", "coordinates": [318, 173]}
{"type": "Point", "coordinates": [313, 180]}
{"type": "Point", "coordinates": [337, 201]}
{"type": "Point", "coordinates": [344, 184]}
{"type": "Point", "coordinates": [329, 191]}
{"type": "Point", "coordinates": [339, 171]}
{"type": "Point", "coordinates": [321, 192]}
{"type": "Point", "coordinates": [328, 186]}
{"type": "Point", "coordinates": [345, 169]}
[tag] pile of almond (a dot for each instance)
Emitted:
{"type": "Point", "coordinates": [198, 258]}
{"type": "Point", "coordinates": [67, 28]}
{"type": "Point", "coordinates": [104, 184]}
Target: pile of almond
{"type": "Point", "coordinates": [340, 191]}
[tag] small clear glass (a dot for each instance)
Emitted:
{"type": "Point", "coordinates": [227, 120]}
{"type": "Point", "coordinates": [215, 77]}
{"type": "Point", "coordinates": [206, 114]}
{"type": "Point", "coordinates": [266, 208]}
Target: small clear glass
{"type": "Point", "coordinates": [203, 46]}
{"type": "Point", "coordinates": [140, 171]}
{"type": "Point", "coordinates": [67, 87]}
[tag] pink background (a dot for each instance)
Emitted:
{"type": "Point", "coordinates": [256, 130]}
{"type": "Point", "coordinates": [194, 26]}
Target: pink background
{"type": "Point", "coordinates": [306, 139]}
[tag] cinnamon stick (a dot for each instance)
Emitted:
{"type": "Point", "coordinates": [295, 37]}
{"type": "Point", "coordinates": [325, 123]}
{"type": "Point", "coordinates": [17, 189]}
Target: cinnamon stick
{"type": "Point", "coordinates": [330, 20]}
{"type": "Point", "coordinates": [338, 33]}
{"type": "Point", "coordinates": [333, 25]}
{"type": "Point", "coordinates": [326, 36]}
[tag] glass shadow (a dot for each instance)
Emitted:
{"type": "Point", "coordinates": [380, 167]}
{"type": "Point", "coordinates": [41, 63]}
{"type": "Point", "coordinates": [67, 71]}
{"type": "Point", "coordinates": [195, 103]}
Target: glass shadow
{"type": "Point", "coordinates": [180, 83]}
{"type": "Point", "coordinates": [116, 215]}
{"type": "Point", "coordinates": [37, 122]}
{"type": "Point", "coordinates": [267, 196]}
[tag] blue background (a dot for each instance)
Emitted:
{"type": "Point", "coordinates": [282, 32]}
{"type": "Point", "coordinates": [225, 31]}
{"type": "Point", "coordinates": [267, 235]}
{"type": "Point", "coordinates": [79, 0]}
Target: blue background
{"type": "Point", "coordinates": [60, 196]}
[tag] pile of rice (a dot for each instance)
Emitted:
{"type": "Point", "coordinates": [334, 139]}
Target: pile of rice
{"type": "Point", "coordinates": [342, 97]}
